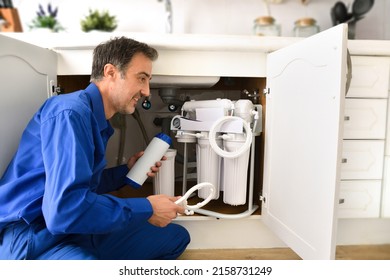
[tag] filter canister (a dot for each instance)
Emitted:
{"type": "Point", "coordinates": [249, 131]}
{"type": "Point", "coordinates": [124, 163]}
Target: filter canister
{"type": "Point", "coordinates": [164, 181]}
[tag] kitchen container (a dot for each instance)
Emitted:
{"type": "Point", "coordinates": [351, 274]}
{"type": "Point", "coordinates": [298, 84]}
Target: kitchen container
{"type": "Point", "coordinates": [305, 27]}
{"type": "Point", "coordinates": [266, 26]}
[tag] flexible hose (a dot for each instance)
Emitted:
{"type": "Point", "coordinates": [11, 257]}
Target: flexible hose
{"type": "Point", "coordinates": [225, 154]}
{"type": "Point", "coordinates": [138, 118]}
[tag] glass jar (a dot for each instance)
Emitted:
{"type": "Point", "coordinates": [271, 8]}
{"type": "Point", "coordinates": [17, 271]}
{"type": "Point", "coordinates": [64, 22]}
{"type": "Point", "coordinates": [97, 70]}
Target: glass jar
{"type": "Point", "coordinates": [265, 26]}
{"type": "Point", "coordinates": [305, 27]}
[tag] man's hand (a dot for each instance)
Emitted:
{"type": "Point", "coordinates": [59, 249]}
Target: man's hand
{"type": "Point", "coordinates": [164, 209]}
{"type": "Point", "coordinates": [153, 169]}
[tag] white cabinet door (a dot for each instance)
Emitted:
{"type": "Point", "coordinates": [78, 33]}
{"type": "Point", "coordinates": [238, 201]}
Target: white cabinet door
{"type": "Point", "coordinates": [26, 75]}
{"type": "Point", "coordinates": [303, 142]}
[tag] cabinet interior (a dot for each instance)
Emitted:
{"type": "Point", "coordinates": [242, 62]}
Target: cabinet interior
{"type": "Point", "coordinates": [70, 83]}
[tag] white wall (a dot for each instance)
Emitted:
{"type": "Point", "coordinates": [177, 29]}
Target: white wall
{"type": "Point", "coordinates": [208, 16]}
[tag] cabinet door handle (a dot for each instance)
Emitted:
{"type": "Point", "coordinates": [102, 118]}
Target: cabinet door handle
{"type": "Point", "coordinates": [341, 200]}
{"type": "Point", "coordinates": [344, 160]}
{"type": "Point", "coordinates": [347, 118]}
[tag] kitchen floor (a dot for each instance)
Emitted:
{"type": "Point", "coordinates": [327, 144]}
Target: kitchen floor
{"type": "Point", "coordinates": [358, 252]}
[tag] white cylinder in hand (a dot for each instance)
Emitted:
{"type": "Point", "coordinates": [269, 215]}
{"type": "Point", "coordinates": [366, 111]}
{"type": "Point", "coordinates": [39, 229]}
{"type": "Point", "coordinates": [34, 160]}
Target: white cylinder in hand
{"type": "Point", "coordinates": [153, 153]}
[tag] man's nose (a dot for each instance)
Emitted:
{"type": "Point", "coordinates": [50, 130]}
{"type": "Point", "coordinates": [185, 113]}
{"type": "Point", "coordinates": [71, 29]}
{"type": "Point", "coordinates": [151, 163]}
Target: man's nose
{"type": "Point", "coordinates": [145, 91]}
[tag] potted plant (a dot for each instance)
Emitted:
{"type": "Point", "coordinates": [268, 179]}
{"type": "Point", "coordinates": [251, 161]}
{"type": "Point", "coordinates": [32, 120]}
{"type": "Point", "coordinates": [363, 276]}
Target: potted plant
{"type": "Point", "coordinates": [46, 19]}
{"type": "Point", "coordinates": [97, 20]}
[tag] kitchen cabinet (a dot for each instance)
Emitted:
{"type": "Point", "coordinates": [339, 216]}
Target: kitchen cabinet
{"type": "Point", "coordinates": [203, 59]}
{"type": "Point", "coordinates": [370, 77]}
{"type": "Point", "coordinates": [365, 126]}
{"type": "Point", "coordinates": [360, 198]}
{"type": "Point", "coordinates": [362, 159]}
{"type": "Point", "coordinates": [365, 118]}
{"type": "Point", "coordinates": [25, 83]}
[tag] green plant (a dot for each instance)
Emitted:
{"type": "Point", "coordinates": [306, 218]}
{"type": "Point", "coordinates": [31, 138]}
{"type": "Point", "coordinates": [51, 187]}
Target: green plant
{"type": "Point", "coordinates": [46, 19]}
{"type": "Point", "coordinates": [97, 20]}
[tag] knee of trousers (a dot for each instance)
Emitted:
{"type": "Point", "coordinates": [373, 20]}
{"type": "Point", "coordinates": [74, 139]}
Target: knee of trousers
{"type": "Point", "coordinates": [182, 234]}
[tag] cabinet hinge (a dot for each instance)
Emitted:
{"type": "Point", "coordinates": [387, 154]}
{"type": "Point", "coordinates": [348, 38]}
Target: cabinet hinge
{"type": "Point", "coordinates": [54, 89]}
{"type": "Point", "coordinates": [266, 91]}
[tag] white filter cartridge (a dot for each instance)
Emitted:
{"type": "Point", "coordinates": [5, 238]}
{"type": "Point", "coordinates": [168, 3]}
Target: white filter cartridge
{"type": "Point", "coordinates": [208, 167]}
{"type": "Point", "coordinates": [164, 181]}
{"type": "Point", "coordinates": [153, 153]}
{"type": "Point", "coordinates": [235, 174]}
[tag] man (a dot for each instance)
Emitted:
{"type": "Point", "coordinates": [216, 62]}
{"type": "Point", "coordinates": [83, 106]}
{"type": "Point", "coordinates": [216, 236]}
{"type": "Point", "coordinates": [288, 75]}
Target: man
{"type": "Point", "coordinates": [53, 195]}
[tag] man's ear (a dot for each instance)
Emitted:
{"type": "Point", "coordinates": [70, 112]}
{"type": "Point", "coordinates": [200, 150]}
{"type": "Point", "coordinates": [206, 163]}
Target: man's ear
{"type": "Point", "coordinates": [110, 70]}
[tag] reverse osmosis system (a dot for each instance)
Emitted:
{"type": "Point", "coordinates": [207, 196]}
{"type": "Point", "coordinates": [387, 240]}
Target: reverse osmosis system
{"type": "Point", "coordinates": [223, 131]}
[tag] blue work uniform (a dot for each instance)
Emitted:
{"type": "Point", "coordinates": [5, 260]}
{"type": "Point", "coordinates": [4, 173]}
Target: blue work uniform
{"type": "Point", "coordinates": [53, 195]}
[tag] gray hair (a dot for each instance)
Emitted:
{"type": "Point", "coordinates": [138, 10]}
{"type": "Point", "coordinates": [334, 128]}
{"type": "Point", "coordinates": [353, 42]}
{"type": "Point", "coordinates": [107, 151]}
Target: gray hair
{"type": "Point", "coordinates": [119, 52]}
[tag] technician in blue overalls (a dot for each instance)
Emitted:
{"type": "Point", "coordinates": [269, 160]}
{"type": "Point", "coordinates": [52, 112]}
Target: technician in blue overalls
{"type": "Point", "coordinates": [53, 195]}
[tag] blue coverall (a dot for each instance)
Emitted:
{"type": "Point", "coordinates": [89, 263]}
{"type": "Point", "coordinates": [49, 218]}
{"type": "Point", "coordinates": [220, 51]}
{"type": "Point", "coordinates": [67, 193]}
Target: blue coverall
{"type": "Point", "coordinates": [53, 195]}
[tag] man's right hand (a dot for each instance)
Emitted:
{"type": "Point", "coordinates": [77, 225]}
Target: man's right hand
{"type": "Point", "coordinates": [164, 209]}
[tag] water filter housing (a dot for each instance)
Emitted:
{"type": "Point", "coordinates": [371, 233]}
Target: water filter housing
{"type": "Point", "coordinates": [164, 181]}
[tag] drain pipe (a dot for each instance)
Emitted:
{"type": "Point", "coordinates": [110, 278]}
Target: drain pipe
{"type": "Point", "coordinates": [169, 97]}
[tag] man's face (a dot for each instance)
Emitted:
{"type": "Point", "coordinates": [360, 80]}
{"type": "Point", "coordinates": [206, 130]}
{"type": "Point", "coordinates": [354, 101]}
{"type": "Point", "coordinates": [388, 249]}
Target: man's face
{"type": "Point", "coordinates": [127, 90]}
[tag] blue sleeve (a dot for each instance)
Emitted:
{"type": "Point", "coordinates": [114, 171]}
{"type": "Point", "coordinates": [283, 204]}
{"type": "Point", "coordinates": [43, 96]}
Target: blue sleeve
{"type": "Point", "coordinates": [112, 179]}
{"type": "Point", "coordinates": [70, 202]}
